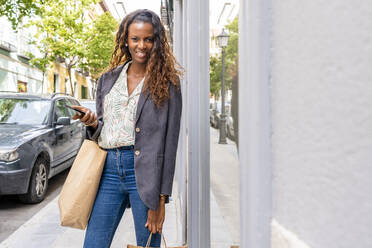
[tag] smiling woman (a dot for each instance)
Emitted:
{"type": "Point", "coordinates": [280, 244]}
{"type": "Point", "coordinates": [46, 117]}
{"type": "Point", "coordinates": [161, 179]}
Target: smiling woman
{"type": "Point", "coordinates": [138, 117]}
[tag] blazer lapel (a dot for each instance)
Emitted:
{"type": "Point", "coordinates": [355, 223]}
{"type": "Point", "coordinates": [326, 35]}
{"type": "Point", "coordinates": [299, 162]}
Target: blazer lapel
{"type": "Point", "coordinates": [112, 77]}
{"type": "Point", "coordinates": [141, 102]}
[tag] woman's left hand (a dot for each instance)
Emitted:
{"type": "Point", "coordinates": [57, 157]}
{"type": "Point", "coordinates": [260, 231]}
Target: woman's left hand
{"type": "Point", "coordinates": [156, 218]}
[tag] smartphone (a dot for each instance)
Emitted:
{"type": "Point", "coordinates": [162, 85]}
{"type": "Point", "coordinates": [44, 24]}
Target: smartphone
{"type": "Point", "coordinates": [77, 110]}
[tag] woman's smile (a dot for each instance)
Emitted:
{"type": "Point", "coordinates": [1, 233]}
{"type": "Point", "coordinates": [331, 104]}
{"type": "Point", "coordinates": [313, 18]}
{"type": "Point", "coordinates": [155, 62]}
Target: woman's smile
{"type": "Point", "coordinates": [141, 54]}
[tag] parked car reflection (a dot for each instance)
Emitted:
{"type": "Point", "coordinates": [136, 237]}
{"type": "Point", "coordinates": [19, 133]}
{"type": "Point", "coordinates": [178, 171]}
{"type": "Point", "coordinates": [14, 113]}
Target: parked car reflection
{"type": "Point", "coordinates": [215, 116]}
{"type": "Point", "coordinates": [230, 124]}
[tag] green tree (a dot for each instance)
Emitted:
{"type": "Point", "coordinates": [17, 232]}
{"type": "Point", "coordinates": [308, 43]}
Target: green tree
{"type": "Point", "coordinates": [100, 44]}
{"type": "Point", "coordinates": [62, 31]}
{"type": "Point", "coordinates": [43, 61]}
{"type": "Point", "coordinates": [215, 75]}
{"type": "Point", "coordinates": [231, 72]}
{"type": "Point", "coordinates": [16, 10]}
{"type": "Point", "coordinates": [40, 63]}
{"type": "Point", "coordinates": [231, 61]}
{"type": "Point", "coordinates": [232, 51]}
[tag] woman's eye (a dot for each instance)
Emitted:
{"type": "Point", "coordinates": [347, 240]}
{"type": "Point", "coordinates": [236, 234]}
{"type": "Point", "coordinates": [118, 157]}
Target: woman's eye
{"type": "Point", "coordinates": [134, 39]}
{"type": "Point", "coordinates": [149, 40]}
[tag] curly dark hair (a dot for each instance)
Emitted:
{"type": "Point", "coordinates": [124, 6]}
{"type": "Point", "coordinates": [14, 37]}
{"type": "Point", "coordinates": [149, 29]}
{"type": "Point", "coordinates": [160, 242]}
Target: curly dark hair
{"type": "Point", "coordinates": [161, 66]}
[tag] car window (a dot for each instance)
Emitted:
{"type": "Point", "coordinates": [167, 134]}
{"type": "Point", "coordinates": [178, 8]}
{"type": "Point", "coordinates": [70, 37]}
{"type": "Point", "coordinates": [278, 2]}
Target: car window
{"type": "Point", "coordinates": [61, 110]}
{"type": "Point", "coordinates": [72, 102]}
{"type": "Point", "coordinates": [24, 111]}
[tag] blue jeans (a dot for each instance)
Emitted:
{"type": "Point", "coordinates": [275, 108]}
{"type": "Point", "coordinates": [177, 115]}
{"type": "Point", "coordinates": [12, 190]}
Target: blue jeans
{"type": "Point", "coordinates": [117, 189]}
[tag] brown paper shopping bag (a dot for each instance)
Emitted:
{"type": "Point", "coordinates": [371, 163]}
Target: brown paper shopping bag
{"type": "Point", "coordinates": [149, 241]}
{"type": "Point", "coordinates": [79, 191]}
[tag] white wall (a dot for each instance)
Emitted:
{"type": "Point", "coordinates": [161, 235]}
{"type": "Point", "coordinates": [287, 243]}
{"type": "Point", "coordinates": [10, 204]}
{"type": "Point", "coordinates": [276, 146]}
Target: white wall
{"type": "Point", "coordinates": [12, 70]}
{"type": "Point", "coordinates": [11, 67]}
{"type": "Point", "coordinates": [322, 121]}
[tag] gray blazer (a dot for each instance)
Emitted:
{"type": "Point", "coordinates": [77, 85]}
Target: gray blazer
{"type": "Point", "coordinates": [156, 138]}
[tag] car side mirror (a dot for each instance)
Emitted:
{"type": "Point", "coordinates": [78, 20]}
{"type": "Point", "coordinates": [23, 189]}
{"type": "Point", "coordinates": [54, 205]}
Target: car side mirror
{"type": "Point", "coordinates": [65, 121]}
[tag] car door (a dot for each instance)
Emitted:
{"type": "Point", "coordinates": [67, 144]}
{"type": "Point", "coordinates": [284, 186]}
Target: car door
{"type": "Point", "coordinates": [77, 129]}
{"type": "Point", "coordinates": [62, 133]}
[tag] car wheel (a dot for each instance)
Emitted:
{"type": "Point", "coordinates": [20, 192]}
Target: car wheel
{"type": "Point", "coordinates": [212, 123]}
{"type": "Point", "coordinates": [38, 183]}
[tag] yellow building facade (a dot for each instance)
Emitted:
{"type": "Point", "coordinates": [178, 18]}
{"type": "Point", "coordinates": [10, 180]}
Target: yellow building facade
{"type": "Point", "coordinates": [59, 81]}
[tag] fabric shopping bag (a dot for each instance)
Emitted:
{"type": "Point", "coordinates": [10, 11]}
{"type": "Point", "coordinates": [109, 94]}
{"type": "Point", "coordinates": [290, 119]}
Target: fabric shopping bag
{"type": "Point", "coordinates": [80, 188]}
{"type": "Point", "coordinates": [149, 241]}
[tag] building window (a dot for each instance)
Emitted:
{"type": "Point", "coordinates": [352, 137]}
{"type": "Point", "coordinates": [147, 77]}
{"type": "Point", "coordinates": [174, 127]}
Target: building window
{"type": "Point", "coordinates": [84, 91]}
{"type": "Point", "coordinates": [22, 86]}
{"type": "Point", "coordinates": [56, 87]}
{"type": "Point", "coordinates": [67, 86]}
{"type": "Point", "coordinates": [76, 93]}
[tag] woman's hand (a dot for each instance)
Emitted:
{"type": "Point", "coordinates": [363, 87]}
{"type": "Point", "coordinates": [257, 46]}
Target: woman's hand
{"type": "Point", "coordinates": [89, 118]}
{"type": "Point", "coordinates": [156, 218]}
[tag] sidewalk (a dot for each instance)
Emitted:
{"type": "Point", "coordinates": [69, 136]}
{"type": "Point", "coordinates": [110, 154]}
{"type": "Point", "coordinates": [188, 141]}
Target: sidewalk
{"type": "Point", "coordinates": [224, 171]}
{"type": "Point", "coordinates": [44, 230]}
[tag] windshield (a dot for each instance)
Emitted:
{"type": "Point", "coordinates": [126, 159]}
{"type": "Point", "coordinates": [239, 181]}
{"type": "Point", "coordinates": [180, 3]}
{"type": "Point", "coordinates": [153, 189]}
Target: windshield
{"type": "Point", "coordinates": [23, 111]}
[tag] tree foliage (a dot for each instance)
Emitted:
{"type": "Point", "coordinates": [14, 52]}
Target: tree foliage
{"type": "Point", "coordinates": [100, 44]}
{"type": "Point", "coordinates": [232, 56]}
{"type": "Point", "coordinates": [231, 61]}
{"type": "Point", "coordinates": [16, 10]}
{"type": "Point", "coordinates": [61, 32]}
{"type": "Point", "coordinates": [41, 63]}
{"type": "Point", "coordinates": [215, 75]}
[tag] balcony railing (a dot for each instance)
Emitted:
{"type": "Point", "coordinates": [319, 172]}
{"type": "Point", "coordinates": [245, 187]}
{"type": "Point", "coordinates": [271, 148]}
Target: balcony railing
{"type": "Point", "coordinates": [7, 46]}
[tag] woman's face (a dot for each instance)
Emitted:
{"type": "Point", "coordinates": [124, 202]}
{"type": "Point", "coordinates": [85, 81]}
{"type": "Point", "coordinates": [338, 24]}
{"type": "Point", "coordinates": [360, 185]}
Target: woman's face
{"type": "Point", "coordinates": [140, 41]}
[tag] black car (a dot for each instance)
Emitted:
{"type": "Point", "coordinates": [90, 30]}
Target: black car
{"type": "Point", "coordinates": [214, 110]}
{"type": "Point", "coordinates": [215, 113]}
{"type": "Point", "coordinates": [38, 140]}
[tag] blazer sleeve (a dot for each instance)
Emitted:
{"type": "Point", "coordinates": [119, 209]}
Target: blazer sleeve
{"type": "Point", "coordinates": [171, 139]}
{"type": "Point", "coordinates": [91, 133]}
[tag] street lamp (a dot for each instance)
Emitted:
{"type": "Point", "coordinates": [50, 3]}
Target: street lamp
{"type": "Point", "coordinates": [123, 7]}
{"type": "Point", "coordinates": [222, 40]}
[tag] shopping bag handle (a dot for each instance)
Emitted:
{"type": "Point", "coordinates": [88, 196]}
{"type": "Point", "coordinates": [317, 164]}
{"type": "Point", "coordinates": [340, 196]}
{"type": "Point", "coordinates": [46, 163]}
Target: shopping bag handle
{"type": "Point", "coordinates": [149, 241]}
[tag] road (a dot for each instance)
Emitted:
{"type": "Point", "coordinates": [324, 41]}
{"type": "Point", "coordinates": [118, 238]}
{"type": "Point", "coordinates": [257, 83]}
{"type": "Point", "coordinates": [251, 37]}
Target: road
{"type": "Point", "coordinates": [14, 213]}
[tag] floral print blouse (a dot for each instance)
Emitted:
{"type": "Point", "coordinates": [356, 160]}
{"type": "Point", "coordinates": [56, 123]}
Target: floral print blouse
{"type": "Point", "coordinates": [119, 114]}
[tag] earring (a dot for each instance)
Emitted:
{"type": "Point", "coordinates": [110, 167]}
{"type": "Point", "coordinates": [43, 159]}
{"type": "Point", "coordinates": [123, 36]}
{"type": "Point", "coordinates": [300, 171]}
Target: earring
{"type": "Point", "coordinates": [126, 44]}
